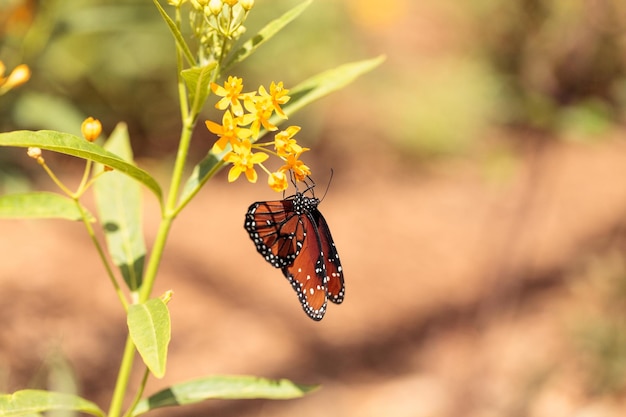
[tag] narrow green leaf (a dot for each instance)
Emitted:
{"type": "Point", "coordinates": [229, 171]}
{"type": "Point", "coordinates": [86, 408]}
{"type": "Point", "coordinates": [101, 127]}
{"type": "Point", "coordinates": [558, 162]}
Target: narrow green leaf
{"type": "Point", "coordinates": [118, 199]}
{"type": "Point", "coordinates": [75, 146]}
{"type": "Point", "coordinates": [223, 387]}
{"type": "Point", "coordinates": [303, 94]}
{"type": "Point", "coordinates": [200, 174]}
{"type": "Point", "coordinates": [28, 402]}
{"type": "Point", "coordinates": [149, 326]}
{"type": "Point", "coordinates": [327, 82]}
{"type": "Point", "coordinates": [178, 37]}
{"type": "Point", "coordinates": [265, 34]}
{"type": "Point", "coordinates": [197, 81]}
{"type": "Point", "coordinates": [40, 205]}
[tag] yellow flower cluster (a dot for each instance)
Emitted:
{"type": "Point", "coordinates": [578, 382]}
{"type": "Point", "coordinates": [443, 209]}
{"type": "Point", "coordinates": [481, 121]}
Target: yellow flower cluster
{"type": "Point", "coordinates": [17, 77]}
{"type": "Point", "coordinates": [244, 116]}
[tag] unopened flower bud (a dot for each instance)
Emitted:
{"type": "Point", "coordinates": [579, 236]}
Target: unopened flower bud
{"type": "Point", "coordinates": [215, 6]}
{"type": "Point", "coordinates": [247, 4]}
{"type": "Point", "coordinates": [167, 296]}
{"type": "Point", "coordinates": [35, 153]}
{"type": "Point", "coordinates": [18, 76]}
{"type": "Point", "coordinates": [91, 128]}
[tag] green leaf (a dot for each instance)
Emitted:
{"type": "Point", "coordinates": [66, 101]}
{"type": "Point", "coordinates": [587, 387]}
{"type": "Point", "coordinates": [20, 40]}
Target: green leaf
{"type": "Point", "coordinates": [200, 174]}
{"type": "Point", "coordinates": [327, 82]}
{"type": "Point", "coordinates": [28, 402]}
{"type": "Point", "coordinates": [40, 205]}
{"type": "Point", "coordinates": [75, 146]}
{"type": "Point", "coordinates": [118, 199]}
{"type": "Point", "coordinates": [303, 94]}
{"type": "Point", "coordinates": [178, 36]}
{"type": "Point", "coordinates": [197, 81]}
{"type": "Point", "coordinates": [265, 34]}
{"type": "Point", "coordinates": [223, 387]}
{"type": "Point", "coordinates": [149, 326]}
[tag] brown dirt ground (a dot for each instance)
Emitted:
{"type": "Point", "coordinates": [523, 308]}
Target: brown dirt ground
{"type": "Point", "coordinates": [465, 295]}
{"type": "Point", "coordinates": [461, 294]}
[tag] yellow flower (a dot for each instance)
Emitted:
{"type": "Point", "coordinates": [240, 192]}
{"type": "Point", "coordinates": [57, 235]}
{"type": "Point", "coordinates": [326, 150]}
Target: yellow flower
{"type": "Point", "coordinates": [231, 3]}
{"type": "Point", "coordinates": [261, 109]}
{"type": "Point", "coordinates": [277, 181]}
{"type": "Point", "coordinates": [91, 128]}
{"type": "Point", "coordinates": [299, 169]}
{"type": "Point", "coordinates": [285, 145]}
{"type": "Point", "coordinates": [243, 160]}
{"type": "Point", "coordinates": [230, 93]}
{"type": "Point", "coordinates": [277, 95]}
{"type": "Point", "coordinates": [228, 131]}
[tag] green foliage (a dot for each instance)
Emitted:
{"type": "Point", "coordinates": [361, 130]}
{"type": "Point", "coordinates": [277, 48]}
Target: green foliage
{"type": "Point", "coordinates": [117, 181]}
{"type": "Point", "coordinates": [29, 402]}
{"type": "Point", "coordinates": [265, 34]}
{"type": "Point", "coordinates": [175, 30]}
{"type": "Point", "coordinates": [41, 205]}
{"type": "Point", "coordinates": [223, 387]}
{"type": "Point", "coordinates": [149, 327]}
{"type": "Point", "coordinates": [75, 146]}
{"type": "Point", "coordinates": [118, 198]}
{"type": "Point", "coordinates": [197, 80]}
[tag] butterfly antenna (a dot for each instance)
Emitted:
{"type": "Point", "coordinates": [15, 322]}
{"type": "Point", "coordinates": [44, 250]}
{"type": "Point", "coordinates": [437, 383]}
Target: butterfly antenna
{"type": "Point", "coordinates": [310, 185]}
{"type": "Point", "coordinates": [328, 185]}
{"type": "Point", "coordinates": [293, 180]}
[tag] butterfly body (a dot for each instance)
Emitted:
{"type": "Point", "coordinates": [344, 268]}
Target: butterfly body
{"type": "Point", "coordinates": [292, 235]}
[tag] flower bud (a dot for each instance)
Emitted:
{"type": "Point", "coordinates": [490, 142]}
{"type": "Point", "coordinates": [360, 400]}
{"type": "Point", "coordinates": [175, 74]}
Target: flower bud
{"type": "Point", "coordinates": [247, 4]}
{"type": "Point", "coordinates": [167, 296]}
{"type": "Point", "coordinates": [18, 76]}
{"type": "Point", "coordinates": [35, 153]}
{"type": "Point", "coordinates": [91, 128]}
{"type": "Point", "coordinates": [215, 6]}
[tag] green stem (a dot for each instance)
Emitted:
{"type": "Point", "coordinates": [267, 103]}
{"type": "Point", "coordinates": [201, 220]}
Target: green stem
{"type": "Point", "coordinates": [182, 91]}
{"type": "Point", "coordinates": [169, 213]}
{"type": "Point", "coordinates": [155, 259]}
{"type": "Point", "coordinates": [83, 182]}
{"type": "Point", "coordinates": [56, 180]}
{"type": "Point", "coordinates": [103, 258]}
{"type": "Point", "coordinates": [137, 398]}
{"type": "Point", "coordinates": [150, 274]}
{"type": "Point", "coordinates": [122, 379]}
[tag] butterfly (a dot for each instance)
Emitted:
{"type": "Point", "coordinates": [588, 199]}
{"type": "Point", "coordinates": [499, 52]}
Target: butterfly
{"type": "Point", "coordinates": [292, 235]}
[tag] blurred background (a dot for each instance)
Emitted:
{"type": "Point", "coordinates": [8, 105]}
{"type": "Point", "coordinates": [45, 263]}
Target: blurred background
{"type": "Point", "coordinates": [477, 204]}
